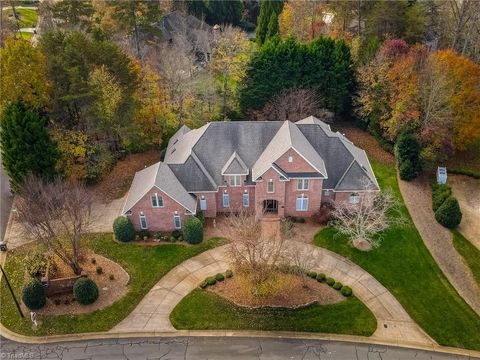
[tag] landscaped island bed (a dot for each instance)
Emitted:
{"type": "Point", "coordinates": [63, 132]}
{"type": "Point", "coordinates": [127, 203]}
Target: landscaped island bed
{"type": "Point", "coordinates": [145, 265]}
{"type": "Point", "coordinates": [404, 266]}
{"type": "Point", "coordinates": [205, 310]}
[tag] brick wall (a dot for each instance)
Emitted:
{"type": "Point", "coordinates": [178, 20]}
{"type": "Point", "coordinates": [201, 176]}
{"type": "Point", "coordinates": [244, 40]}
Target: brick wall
{"type": "Point", "coordinates": [314, 195]}
{"type": "Point", "coordinates": [298, 164]}
{"type": "Point", "coordinates": [235, 194]}
{"type": "Point", "coordinates": [211, 199]}
{"type": "Point", "coordinates": [278, 194]}
{"type": "Point", "coordinates": [158, 219]}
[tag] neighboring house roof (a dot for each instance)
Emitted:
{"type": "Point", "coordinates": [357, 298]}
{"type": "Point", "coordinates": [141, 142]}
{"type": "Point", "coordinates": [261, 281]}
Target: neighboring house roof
{"type": "Point", "coordinates": [235, 166]}
{"type": "Point", "coordinates": [161, 176]}
{"type": "Point", "coordinates": [196, 160]}
{"type": "Point", "coordinates": [288, 136]}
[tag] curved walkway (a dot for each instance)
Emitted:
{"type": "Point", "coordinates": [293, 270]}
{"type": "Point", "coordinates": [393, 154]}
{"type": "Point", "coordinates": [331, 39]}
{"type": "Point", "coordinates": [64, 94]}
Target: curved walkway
{"type": "Point", "coordinates": [418, 199]}
{"type": "Point", "coordinates": [152, 314]}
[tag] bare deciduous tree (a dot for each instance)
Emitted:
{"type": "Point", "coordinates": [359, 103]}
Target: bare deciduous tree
{"type": "Point", "coordinates": [362, 222]}
{"type": "Point", "coordinates": [250, 250]}
{"type": "Point", "coordinates": [302, 261]}
{"type": "Point", "coordinates": [56, 214]}
{"type": "Point", "coordinates": [293, 105]}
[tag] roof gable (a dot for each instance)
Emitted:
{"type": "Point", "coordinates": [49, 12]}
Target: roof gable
{"type": "Point", "coordinates": [355, 178]}
{"type": "Point", "coordinates": [235, 166]}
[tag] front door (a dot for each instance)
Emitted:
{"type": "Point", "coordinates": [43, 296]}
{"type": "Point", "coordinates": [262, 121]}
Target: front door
{"type": "Point", "coordinates": [270, 206]}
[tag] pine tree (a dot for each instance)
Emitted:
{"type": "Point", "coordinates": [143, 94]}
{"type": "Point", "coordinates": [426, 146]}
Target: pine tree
{"type": "Point", "coordinates": [267, 7]}
{"type": "Point", "coordinates": [272, 28]}
{"type": "Point", "coordinates": [26, 145]}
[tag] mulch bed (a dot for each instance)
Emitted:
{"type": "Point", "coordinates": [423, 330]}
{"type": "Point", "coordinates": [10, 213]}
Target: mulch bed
{"type": "Point", "coordinates": [116, 183]}
{"type": "Point", "coordinates": [289, 292]}
{"type": "Point", "coordinates": [109, 290]}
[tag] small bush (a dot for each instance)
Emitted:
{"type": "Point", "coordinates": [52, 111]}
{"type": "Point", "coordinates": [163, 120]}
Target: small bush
{"type": "Point", "coordinates": [301, 220]}
{"type": "Point", "coordinates": [323, 215]}
{"type": "Point", "coordinates": [66, 302]}
{"type": "Point", "coordinates": [337, 285]}
{"type": "Point", "coordinates": [85, 291]}
{"type": "Point", "coordinates": [312, 274]}
{"type": "Point", "coordinates": [158, 235]}
{"type": "Point", "coordinates": [111, 277]}
{"type": "Point", "coordinates": [176, 234]}
{"type": "Point", "coordinates": [219, 277]}
{"type": "Point", "coordinates": [193, 230]}
{"type": "Point", "coordinates": [330, 281]}
{"type": "Point", "coordinates": [449, 214]}
{"type": "Point", "coordinates": [201, 216]}
{"type": "Point", "coordinates": [346, 291]}
{"type": "Point", "coordinates": [203, 284]}
{"type": "Point", "coordinates": [57, 301]}
{"type": "Point", "coordinates": [123, 229]}
{"type": "Point", "coordinates": [440, 193]}
{"type": "Point", "coordinates": [293, 219]}
{"type": "Point", "coordinates": [144, 234]}
{"type": "Point", "coordinates": [210, 281]}
{"type": "Point", "coordinates": [33, 295]}
{"type": "Point", "coordinates": [94, 261]}
{"type": "Point", "coordinates": [99, 270]}
{"type": "Point", "coordinates": [321, 277]}
{"type": "Point", "coordinates": [228, 273]}
{"type": "Point", "coordinates": [407, 170]}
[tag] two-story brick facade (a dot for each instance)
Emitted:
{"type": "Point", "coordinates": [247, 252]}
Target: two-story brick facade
{"type": "Point", "coordinates": [280, 168]}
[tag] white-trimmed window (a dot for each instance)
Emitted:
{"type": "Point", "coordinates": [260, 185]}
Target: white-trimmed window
{"type": "Point", "coordinates": [302, 203]}
{"type": "Point", "coordinates": [143, 222]}
{"type": "Point", "coordinates": [226, 200]}
{"type": "Point", "coordinates": [177, 222]}
{"type": "Point", "coordinates": [302, 184]}
{"type": "Point", "coordinates": [354, 198]}
{"type": "Point", "coordinates": [203, 203]}
{"type": "Point", "coordinates": [246, 200]}
{"type": "Point", "coordinates": [235, 180]}
{"type": "Point", "coordinates": [157, 201]}
{"type": "Point", "coordinates": [270, 186]}
{"type": "Point", "coordinates": [290, 159]}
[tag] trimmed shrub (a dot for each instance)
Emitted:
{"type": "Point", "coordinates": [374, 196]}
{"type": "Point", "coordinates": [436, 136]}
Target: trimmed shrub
{"type": "Point", "coordinates": [144, 234]}
{"type": "Point", "coordinates": [323, 215]}
{"type": "Point", "coordinates": [157, 235]}
{"type": "Point", "coordinates": [176, 234]}
{"type": "Point", "coordinates": [94, 261]}
{"type": "Point", "coordinates": [228, 273]}
{"type": "Point", "coordinates": [33, 295]}
{"type": "Point", "coordinates": [346, 291]}
{"type": "Point", "coordinates": [219, 277]}
{"type": "Point", "coordinates": [85, 291]}
{"type": "Point", "coordinates": [99, 270]}
{"type": "Point", "coordinates": [111, 277]}
{"type": "Point", "coordinates": [312, 274]}
{"type": "Point", "coordinates": [57, 301]}
{"type": "Point", "coordinates": [210, 280]}
{"type": "Point", "coordinates": [193, 230]}
{"type": "Point", "coordinates": [201, 216]}
{"type": "Point", "coordinates": [301, 220]}
{"type": "Point", "coordinates": [449, 214]}
{"type": "Point", "coordinates": [321, 277]}
{"type": "Point", "coordinates": [203, 284]}
{"type": "Point", "coordinates": [330, 281]}
{"type": "Point", "coordinates": [440, 193]}
{"type": "Point", "coordinates": [407, 170]}
{"type": "Point", "coordinates": [123, 229]}
{"type": "Point", "coordinates": [337, 285]}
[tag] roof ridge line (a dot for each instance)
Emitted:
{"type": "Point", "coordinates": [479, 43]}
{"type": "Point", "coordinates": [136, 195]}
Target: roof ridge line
{"type": "Point", "coordinates": [204, 170]}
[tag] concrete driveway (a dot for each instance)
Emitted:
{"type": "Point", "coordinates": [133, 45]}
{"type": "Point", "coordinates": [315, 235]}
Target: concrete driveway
{"type": "Point", "coordinates": [153, 312]}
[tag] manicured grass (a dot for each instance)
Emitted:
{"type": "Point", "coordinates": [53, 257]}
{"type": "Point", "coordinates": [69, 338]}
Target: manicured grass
{"type": "Point", "coordinates": [145, 265]}
{"type": "Point", "coordinates": [404, 265]}
{"type": "Point", "coordinates": [204, 310]}
{"type": "Point", "coordinates": [28, 17]}
{"type": "Point", "coordinates": [469, 252]}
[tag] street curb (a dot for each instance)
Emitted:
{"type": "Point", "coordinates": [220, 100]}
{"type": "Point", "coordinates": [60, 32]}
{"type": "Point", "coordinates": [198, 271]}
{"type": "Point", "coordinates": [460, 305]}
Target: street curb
{"type": "Point", "coordinates": [225, 333]}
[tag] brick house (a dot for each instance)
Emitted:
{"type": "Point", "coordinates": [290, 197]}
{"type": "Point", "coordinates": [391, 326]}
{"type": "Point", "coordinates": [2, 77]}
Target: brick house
{"type": "Point", "coordinates": [279, 168]}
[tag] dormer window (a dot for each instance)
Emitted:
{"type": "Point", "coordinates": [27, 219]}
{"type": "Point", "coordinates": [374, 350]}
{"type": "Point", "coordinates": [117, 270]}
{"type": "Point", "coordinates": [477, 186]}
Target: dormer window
{"type": "Point", "coordinates": [235, 180]}
{"type": "Point", "coordinates": [157, 201]}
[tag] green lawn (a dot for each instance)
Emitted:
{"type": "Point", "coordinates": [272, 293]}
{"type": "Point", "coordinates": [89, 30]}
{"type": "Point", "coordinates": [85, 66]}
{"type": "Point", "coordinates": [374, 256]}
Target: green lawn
{"type": "Point", "coordinates": [28, 17]}
{"type": "Point", "coordinates": [404, 265]}
{"type": "Point", "coordinates": [204, 310]}
{"type": "Point", "coordinates": [469, 252]}
{"type": "Point", "coordinates": [145, 265]}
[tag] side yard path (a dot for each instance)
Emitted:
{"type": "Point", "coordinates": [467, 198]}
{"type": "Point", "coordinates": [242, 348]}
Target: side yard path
{"type": "Point", "coordinates": [417, 197]}
{"type": "Point", "coordinates": [152, 314]}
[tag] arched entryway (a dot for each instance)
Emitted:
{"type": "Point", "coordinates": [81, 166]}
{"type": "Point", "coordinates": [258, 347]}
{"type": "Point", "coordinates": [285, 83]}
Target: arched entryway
{"type": "Point", "coordinates": [270, 206]}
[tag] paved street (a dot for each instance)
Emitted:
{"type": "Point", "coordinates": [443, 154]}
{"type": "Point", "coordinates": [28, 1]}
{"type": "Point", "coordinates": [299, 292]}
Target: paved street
{"type": "Point", "coordinates": [211, 348]}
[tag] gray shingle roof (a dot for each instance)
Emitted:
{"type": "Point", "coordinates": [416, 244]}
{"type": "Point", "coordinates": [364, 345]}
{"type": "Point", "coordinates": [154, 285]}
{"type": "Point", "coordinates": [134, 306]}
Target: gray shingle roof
{"type": "Point", "coordinates": [161, 176]}
{"type": "Point", "coordinates": [195, 159]}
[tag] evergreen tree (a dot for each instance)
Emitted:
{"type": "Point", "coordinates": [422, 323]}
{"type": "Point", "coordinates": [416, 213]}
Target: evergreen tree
{"type": "Point", "coordinates": [224, 11]}
{"type": "Point", "coordinates": [26, 145]}
{"type": "Point", "coordinates": [267, 7]}
{"type": "Point", "coordinates": [272, 28]}
{"type": "Point", "coordinates": [324, 65]}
